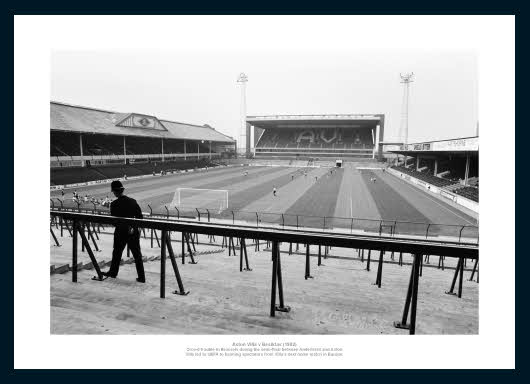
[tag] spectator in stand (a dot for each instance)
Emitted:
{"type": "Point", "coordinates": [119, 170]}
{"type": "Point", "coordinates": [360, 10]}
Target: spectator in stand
{"type": "Point", "coordinates": [106, 202]}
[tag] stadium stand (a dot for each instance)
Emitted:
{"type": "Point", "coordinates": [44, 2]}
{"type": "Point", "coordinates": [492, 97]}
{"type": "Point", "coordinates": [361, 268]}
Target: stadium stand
{"type": "Point", "coordinates": [67, 144]}
{"type": "Point", "coordinates": [428, 178]}
{"type": "Point", "coordinates": [454, 169]}
{"type": "Point", "coordinates": [88, 144]}
{"type": "Point", "coordinates": [324, 136]}
{"type": "Point", "coordinates": [469, 192]}
{"type": "Point", "coordinates": [64, 144]}
{"type": "Point", "coordinates": [301, 139]}
{"type": "Point", "coordinates": [452, 165]}
{"type": "Point", "coordinates": [143, 145]}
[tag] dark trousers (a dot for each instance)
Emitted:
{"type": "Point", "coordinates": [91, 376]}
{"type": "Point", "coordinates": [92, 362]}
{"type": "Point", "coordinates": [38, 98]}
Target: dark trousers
{"type": "Point", "coordinates": [121, 239]}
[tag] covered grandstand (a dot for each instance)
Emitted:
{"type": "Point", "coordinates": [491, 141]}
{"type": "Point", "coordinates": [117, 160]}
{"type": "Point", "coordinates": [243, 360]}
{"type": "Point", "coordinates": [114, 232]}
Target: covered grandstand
{"type": "Point", "coordinates": [450, 165]}
{"type": "Point", "coordinates": [344, 136]}
{"type": "Point", "coordinates": [91, 144]}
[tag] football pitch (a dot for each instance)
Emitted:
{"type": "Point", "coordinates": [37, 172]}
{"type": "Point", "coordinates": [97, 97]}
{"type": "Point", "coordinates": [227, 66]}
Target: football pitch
{"type": "Point", "coordinates": [335, 301]}
{"type": "Point", "coordinates": [325, 198]}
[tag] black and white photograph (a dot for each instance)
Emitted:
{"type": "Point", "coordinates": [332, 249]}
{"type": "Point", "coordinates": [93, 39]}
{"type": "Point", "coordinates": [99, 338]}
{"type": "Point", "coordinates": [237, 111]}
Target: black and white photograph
{"type": "Point", "coordinates": [321, 204]}
{"type": "Point", "coordinates": [266, 190]}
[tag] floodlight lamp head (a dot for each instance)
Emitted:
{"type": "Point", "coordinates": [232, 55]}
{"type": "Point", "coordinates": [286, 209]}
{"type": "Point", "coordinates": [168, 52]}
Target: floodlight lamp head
{"type": "Point", "coordinates": [406, 77]}
{"type": "Point", "coordinates": [242, 78]}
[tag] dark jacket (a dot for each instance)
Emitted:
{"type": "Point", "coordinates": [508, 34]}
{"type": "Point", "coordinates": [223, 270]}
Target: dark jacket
{"type": "Point", "coordinates": [124, 206]}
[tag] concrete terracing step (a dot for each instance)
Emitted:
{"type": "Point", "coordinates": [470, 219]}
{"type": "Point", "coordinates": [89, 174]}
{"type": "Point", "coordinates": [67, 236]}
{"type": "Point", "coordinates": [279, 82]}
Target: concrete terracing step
{"type": "Point", "coordinates": [63, 268]}
{"type": "Point", "coordinates": [340, 298]}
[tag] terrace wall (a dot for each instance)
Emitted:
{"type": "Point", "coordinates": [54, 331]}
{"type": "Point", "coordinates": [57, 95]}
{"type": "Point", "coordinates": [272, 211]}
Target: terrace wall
{"type": "Point", "coordinates": [73, 175]}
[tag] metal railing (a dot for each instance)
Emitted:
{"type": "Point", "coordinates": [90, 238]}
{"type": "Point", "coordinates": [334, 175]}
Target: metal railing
{"type": "Point", "coordinates": [79, 221]}
{"type": "Point", "coordinates": [468, 234]}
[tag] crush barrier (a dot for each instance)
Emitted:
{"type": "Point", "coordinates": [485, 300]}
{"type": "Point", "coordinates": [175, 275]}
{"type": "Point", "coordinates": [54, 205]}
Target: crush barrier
{"type": "Point", "coordinates": [79, 222]}
{"type": "Point", "coordinates": [468, 234]}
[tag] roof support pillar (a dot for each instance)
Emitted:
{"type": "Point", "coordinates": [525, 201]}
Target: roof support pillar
{"type": "Point", "coordinates": [418, 162]}
{"type": "Point", "coordinates": [251, 140]}
{"type": "Point", "coordinates": [381, 136]}
{"type": "Point", "coordinates": [81, 149]}
{"type": "Point", "coordinates": [162, 149]}
{"type": "Point", "coordinates": [376, 144]}
{"type": "Point", "coordinates": [124, 151]}
{"type": "Point", "coordinates": [435, 167]}
{"type": "Point", "coordinates": [184, 149]}
{"type": "Point", "coordinates": [466, 175]}
{"type": "Point", "coordinates": [210, 150]}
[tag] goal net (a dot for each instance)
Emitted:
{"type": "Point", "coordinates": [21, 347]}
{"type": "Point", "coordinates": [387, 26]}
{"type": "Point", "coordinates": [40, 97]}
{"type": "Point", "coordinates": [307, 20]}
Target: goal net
{"type": "Point", "coordinates": [191, 198]}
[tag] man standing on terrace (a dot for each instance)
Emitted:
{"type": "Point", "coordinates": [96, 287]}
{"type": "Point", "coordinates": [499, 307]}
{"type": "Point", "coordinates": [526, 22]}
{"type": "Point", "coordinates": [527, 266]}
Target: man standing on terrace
{"type": "Point", "coordinates": [124, 234]}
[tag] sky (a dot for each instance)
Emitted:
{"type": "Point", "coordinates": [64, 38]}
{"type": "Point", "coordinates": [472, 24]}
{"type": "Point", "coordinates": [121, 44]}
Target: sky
{"type": "Point", "coordinates": [200, 87]}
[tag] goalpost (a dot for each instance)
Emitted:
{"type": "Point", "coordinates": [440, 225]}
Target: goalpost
{"type": "Point", "coordinates": [191, 198]}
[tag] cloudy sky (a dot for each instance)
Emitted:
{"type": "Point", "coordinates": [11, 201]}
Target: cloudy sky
{"type": "Point", "coordinates": [200, 86]}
